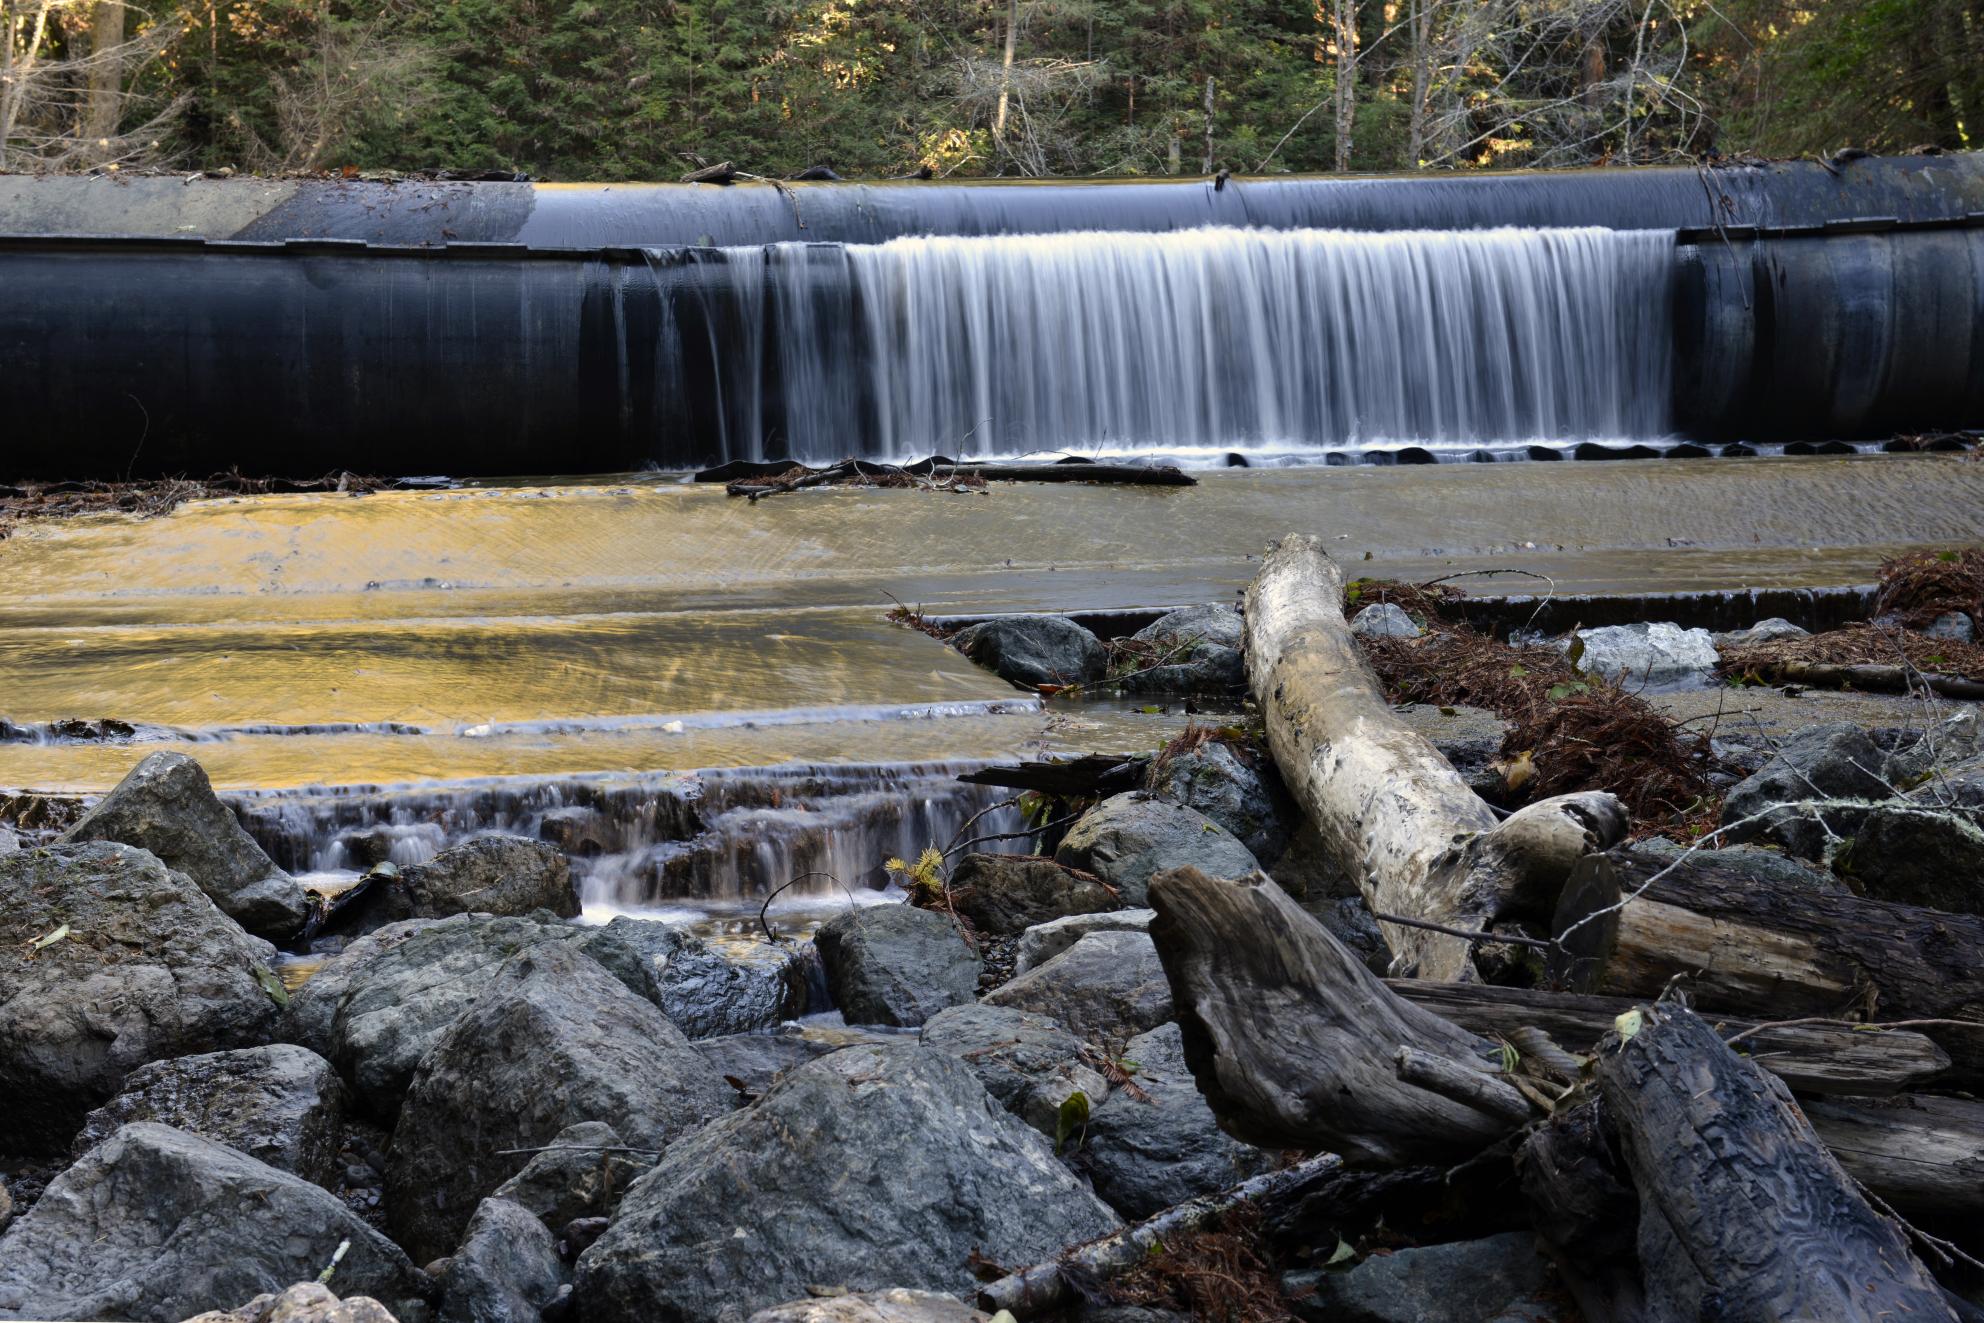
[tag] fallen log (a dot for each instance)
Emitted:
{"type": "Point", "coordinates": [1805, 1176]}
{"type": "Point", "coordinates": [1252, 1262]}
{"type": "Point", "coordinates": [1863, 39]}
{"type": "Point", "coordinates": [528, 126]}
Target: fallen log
{"type": "Point", "coordinates": [723, 172]}
{"type": "Point", "coordinates": [1810, 1058]}
{"type": "Point", "coordinates": [1869, 676]}
{"type": "Point", "coordinates": [1582, 1204]}
{"type": "Point", "coordinates": [1923, 1154]}
{"type": "Point", "coordinates": [1776, 952]}
{"type": "Point", "coordinates": [1091, 775]}
{"type": "Point", "coordinates": [756, 479]}
{"type": "Point", "coordinates": [1388, 807]}
{"type": "Point", "coordinates": [1743, 1212]}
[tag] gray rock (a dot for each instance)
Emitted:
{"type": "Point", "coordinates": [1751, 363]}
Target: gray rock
{"type": "Point", "coordinates": [1927, 847]}
{"type": "Point", "coordinates": [1836, 761]}
{"type": "Point", "coordinates": [1214, 780]}
{"type": "Point", "coordinates": [712, 990]}
{"type": "Point", "coordinates": [376, 1010]}
{"type": "Point", "coordinates": [1201, 647]}
{"type": "Point", "coordinates": [873, 1167]}
{"type": "Point", "coordinates": [305, 1302]}
{"type": "Point", "coordinates": [1005, 894]}
{"type": "Point", "coordinates": [1764, 631]}
{"type": "Point", "coordinates": [553, 1041]}
{"type": "Point", "coordinates": [1501, 1279]}
{"type": "Point", "coordinates": [1649, 657]}
{"type": "Point", "coordinates": [166, 805]}
{"type": "Point", "coordinates": [1384, 620]}
{"type": "Point", "coordinates": [1955, 739]}
{"type": "Point", "coordinates": [506, 1271]}
{"type": "Point", "coordinates": [892, 1306]}
{"type": "Point", "coordinates": [583, 1171]}
{"type": "Point", "coordinates": [1349, 920]}
{"type": "Point", "coordinates": [1954, 626]}
{"type": "Point", "coordinates": [1767, 866]}
{"type": "Point", "coordinates": [1042, 942]}
{"type": "Point", "coordinates": [895, 964]}
{"type": "Point", "coordinates": [1034, 650]}
{"type": "Point", "coordinates": [148, 969]}
{"type": "Point", "coordinates": [1107, 988]}
{"type": "Point", "coordinates": [1028, 1062]}
{"type": "Point", "coordinates": [501, 875]}
{"type": "Point", "coordinates": [280, 1104]}
{"type": "Point", "coordinates": [9, 842]}
{"type": "Point", "coordinates": [1127, 839]}
{"type": "Point", "coordinates": [755, 1061]}
{"type": "Point", "coordinates": [176, 1225]}
{"type": "Point", "coordinates": [1146, 1153]}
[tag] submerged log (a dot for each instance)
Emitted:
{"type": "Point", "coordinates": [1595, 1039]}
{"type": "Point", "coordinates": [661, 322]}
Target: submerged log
{"type": "Point", "coordinates": [1389, 808]}
{"type": "Point", "coordinates": [1743, 1212]}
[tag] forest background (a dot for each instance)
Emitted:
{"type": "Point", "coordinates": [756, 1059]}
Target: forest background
{"type": "Point", "coordinates": [648, 89]}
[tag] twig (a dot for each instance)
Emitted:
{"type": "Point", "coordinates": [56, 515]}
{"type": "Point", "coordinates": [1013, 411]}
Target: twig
{"type": "Point", "coordinates": [766, 907]}
{"type": "Point", "coordinates": [577, 1148]}
{"type": "Point", "coordinates": [1016, 835]}
{"type": "Point", "coordinates": [1404, 922]}
{"type": "Point", "coordinates": [1868, 1026]}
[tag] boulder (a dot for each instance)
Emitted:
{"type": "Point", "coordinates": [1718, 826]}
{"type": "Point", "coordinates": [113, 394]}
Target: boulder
{"type": "Point", "coordinates": [1926, 847]}
{"type": "Point", "coordinates": [1500, 1279]}
{"type": "Point", "coordinates": [1764, 631]}
{"type": "Point", "coordinates": [1129, 838]}
{"type": "Point", "coordinates": [136, 966]}
{"type": "Point", "coordinates": [1349, 920]}
{"type": "Point", "coordinates": [1029, 1063]}
{"type": "Point", "coordinates": [1107, 988]}
{"type": "Point", "coordinates": [306, 1302]}
{"type": "Point", "coordinates": [752, 1063]}
{"type": "Point", "coordinates": [1005, 894]}
{"type": "Point", "coordinates": [1213, 779]}
{"type": "Point", "coordinates": [1384, 620]}
{"type": "Point", "coordinates": [1649, 658]}
{"type": "Point", "coordinates": [874, 1167]}
{"type": "Point", "coordinates": [506, 1271]}
{"type": "Point", "coordinates": [1157, 1145]}
{"type": "Point", "coordinates": [1195, 650]}
{"type": "Point", "coordinates": [1771, 868]}
{"type": "Point", "coordinates": [891, 1306]}
{"type": "Point", "coordinates": [1034, 650]}
{"type": "Point", "coordinates": [280, 1104]}
{"type": "Point", "coordinates": [376, 1010]}
{"type": "Point", "coordinates": [582, 1172]}
{"type": "Point", "coordinates": [710, 990]}
{"type": "Point", "coordinates": [895, 964]}
{"type": "Point", "coordinates": [1954, 626]}
{"type": "Point", "coordinates": [1835, 761]}
{"type": "Point", "coordinates": [1957, 738]}
{"type": "Point", "coordinates": [1042, 942]}
{"type": "Point", "coordinates": [502, 875]}
{"type": "Point", "coordinates": [176, 1225]}
{"type": "Point", "coordinates": [166, 805]}
{"type": "Point", "coordinates": [554, 1040]}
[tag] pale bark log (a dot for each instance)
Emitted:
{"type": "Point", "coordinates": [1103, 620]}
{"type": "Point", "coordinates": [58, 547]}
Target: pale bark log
{"type": "Point", "coordinates": [1387, 805]}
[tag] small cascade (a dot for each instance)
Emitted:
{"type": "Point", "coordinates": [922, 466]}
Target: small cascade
{"type": "Point", "coordinates": [646, 841]}
{"type": "Point", "coordinates": [1201, 341]}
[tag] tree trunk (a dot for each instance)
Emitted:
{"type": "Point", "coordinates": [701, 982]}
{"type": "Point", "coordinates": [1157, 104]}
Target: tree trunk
{"type": "Point", "coordinates": [1389, 808]}
{"type": "Point", "coordinates": [1207, 169]}
{"type": "Point", "coordinates": [1742, 945]}
{"type": "Point", "coordinates": [1344, 25]}
{"type": "Point", "coordinates": [1743, 1213]}
{"type": "Point", "coordinates": [1422, 79]}
{"type": "Point", "coordinates": [106, 86]}
{"type": "Point", "coordinates": [1006, 73]}
{"type": "Point", "coordinates": [1921, 1154]}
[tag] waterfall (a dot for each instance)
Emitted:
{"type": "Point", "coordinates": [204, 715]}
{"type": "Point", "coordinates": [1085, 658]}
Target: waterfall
{"type": "Point", "coordinates": [1206, 340]}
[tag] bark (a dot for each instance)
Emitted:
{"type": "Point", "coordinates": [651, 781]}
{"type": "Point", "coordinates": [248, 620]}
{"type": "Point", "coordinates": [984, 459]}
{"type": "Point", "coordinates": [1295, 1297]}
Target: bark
{"type": "Point", "coordinates": [1921, 1154]}
{"type": "Point", "coordinates": [1389, 808]}
{"type": "Point", "coordinates": [1294, 1044]}
{"type": "Point", "coordinates": [1741, 945]}
{"type": "Point", "coordinates": [106, 86]}
{"type": "Point", "coordinates": [1743, 1213]}
{"type": "Point", "coordinates": [1585, 1212]}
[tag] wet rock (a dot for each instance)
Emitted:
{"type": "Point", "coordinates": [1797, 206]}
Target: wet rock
{"type": "Point", "coordinates": [891, 1306]}
{"type": "Point", "coordinates": [1106, 988]}
{"type": "Point", "coordinates": [755, 1061]}
{"type": "Point", "coordinates": [177, 1225]}
{"type": "Point", "coordinates": [1954, 626]}
{"type": "Point", "coordinates": [1028, 1062]}
{"type": "Point", "coordinates": [1034, 650]}
{"type": "Point", "coordinates": [1127, 839]}
{"type": "Point", "coordinates": [870, 1168]}
{"type": "Point", "coordinates": [376, 1010]}
{"type": "Point", "coordinates": [583, 1171]}
{"type": "Point", "coordinates": [306, 1302]}
{"type": "Point", "coordinates": [1764, 631]}
{"type": "Point", "coordinates": [1005, 894]}
{"type": "Point", "coordinates": [1248, 801]}
{"type": "Point", "coordinates": [1384, 620]}
{"type": "Point", "coordinates": [1835, 761]}
{"type": "Point", "coordinates": [553, 1041]}
{"type": "Point", "coordinates": [1158, 1145]}
{"type": "Point", "coordinates": [1501, 1279]}
{"type": "Point", "coordinates": [146, 969]}
{"type": "Point", "coordinates": [577, 830]}
{"type": "Point", "coordinates": [280, 1104]}
{"type": "Point", "coordinates": [1927, 847]}
{"type": "Point", "coordinates": [1197, 652]}
{"type": "Point", "coordinates": [895, 964]}
{"type": "Point", "coordinates": [506, 1271]}
{"type": "Point", "coordinates": [365, 847]}
{"type": "Point", "coordinates": [1042, 942]}
{"type": "Point", "coordinates": [712, 990]}
{"type": "Point", "coordinates": [501, 875]}
{"type": "Point", "coordinates": [166, 805]}
{"type": "Point", "coordinates": [1649, 657]}
{"type": "Point", "coordinates": [9, 842]}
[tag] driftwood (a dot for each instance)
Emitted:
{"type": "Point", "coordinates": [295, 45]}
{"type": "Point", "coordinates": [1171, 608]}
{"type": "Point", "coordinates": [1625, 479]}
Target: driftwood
{"type": "Point", "coordinates": [1092, 774]}
{"type": "Point", "coordinates": [1743, 1214]}
{"type": "Point", "coordinates": [1810, 1058]}
{"type": "Point", "coordinates": [1776, 952]}
{"type": "Point", "coordinates": [723, 172]}
{"type": "Point", "coordinates": [1922, 1154]}
{"type": "Point", "coordinates": [1584, 1210]}
{"type": "Point", "coordinates": [756, 483]}
{"type": "Point", "coordinates": [1294, 1044]}
{"type": "Point", "coordinates": [1870, 676]}
{"type": "Point", "coordinates": [1387, 806]}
